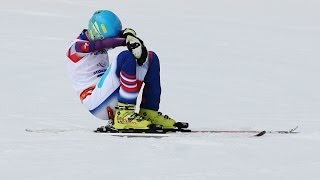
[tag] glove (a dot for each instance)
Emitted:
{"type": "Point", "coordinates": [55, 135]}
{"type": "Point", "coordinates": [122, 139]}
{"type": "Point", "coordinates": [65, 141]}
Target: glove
{"type": "Point", "coordinates": [136, 46]}
{"type": "Point", "coordinates": [128, 31]}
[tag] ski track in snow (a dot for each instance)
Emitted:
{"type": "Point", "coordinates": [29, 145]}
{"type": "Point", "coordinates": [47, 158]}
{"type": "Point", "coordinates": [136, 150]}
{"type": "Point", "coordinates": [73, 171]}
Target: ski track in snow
{"type": "Point", "coordinates": [235, 65]}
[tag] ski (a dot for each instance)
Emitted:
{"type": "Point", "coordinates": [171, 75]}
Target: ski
{"type": "Point", "coordinates": [255, 132]}
{"type": "Point", "coordinates": [183, 130]}
{"type": "Point", "coordinates": [290, 131]}
{"type": "Point", "coordinates": [156, 132]}
{"type": "Point", "coordinates": [110, 129]}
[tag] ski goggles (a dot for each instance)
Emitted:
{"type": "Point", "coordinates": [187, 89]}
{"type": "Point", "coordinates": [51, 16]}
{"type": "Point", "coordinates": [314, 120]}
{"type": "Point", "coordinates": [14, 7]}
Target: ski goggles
{"type": "Point", "coordinates": [94, 32]}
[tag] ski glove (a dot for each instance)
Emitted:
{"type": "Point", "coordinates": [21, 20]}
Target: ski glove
{"type": "Point", "coordinates": [136, 46]}
{"type": "Point", "coordinates": [128, 31]}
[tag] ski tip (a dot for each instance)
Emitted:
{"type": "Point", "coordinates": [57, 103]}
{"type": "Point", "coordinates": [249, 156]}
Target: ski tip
{"type": "Point", "coordinates": [261, 133]}
{"type": "Point", "coordinates": [294, 129]}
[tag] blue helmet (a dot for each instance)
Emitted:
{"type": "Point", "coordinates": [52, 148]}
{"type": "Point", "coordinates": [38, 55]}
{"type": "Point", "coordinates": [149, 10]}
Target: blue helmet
{"type": "Point", "coordinates": [104, 24]}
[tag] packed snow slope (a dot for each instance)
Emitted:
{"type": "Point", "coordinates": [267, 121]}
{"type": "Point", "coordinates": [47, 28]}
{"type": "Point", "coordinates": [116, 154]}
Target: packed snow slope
{"type": "Point", "coordinates": [228, 64]}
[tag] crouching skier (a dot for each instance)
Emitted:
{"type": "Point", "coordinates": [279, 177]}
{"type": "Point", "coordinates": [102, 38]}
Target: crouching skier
{"type": "Point", "coordinates": [102, 85]}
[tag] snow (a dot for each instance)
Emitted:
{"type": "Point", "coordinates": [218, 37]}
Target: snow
{"type": "Point", "coordinates": [248, 65]}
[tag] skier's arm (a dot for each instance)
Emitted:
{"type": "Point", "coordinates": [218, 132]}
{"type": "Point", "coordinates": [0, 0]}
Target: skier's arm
{"type": "Point", "coordinates": [91, 46]}
{"type": "Point", "coordinates": [82, 46]}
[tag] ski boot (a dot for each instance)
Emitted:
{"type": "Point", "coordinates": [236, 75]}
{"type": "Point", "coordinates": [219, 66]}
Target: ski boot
{"type": "Point", "coordinates": [126, 118]}
{"type": "Point", "coordinates": [157, 118]}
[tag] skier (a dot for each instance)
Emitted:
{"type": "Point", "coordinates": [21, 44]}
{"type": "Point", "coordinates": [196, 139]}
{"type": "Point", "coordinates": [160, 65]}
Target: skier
{"type": "Point", "coordinates": [105, 87]}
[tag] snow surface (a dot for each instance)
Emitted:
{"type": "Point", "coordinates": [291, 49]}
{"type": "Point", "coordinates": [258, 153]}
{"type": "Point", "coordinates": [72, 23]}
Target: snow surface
{"type": "Point", "coordinates": [228, 64]}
